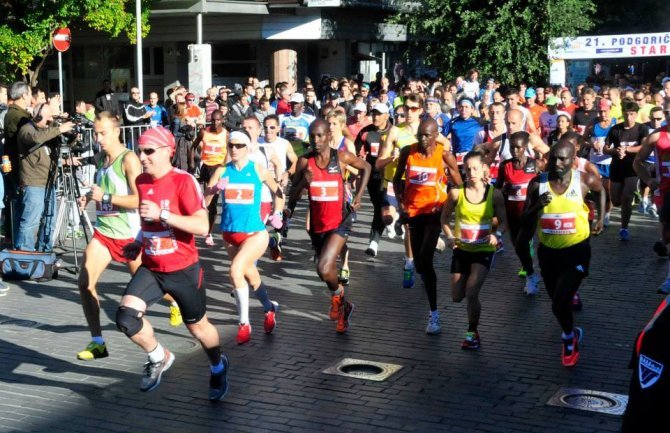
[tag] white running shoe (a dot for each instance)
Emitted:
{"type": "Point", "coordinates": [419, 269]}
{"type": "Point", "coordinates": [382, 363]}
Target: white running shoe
{"type": "Point", "coordinates": [433, 327]}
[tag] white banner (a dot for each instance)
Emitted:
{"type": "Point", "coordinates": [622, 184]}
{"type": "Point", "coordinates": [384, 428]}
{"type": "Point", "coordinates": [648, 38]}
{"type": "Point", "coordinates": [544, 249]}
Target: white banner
{"type": "Point", "coordinates": [323, 3]}
{"type": "Point", "coordinates": [613, 46]}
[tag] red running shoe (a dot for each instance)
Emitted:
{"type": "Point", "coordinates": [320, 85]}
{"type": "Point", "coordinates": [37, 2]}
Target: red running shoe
{"type": "Point", "coordinates": [243, 333]}
{"type": "Point", "coordinates": [570, 354]}
{"type": "Point", "coordinates": [270, 320]}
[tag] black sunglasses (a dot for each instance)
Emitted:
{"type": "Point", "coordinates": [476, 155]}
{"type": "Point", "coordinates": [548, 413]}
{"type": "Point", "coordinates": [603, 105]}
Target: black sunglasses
{"type": "Point", "coordinates": [237, 145]}
{"type": "Point", "coordinates": [150, 150]}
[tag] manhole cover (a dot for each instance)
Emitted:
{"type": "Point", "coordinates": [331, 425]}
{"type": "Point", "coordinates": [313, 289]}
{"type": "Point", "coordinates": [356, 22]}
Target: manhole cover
{"type": "Point", "coordinates": [18, 324]}
{"type": "Point", "coordinates": [594, 401]}
{"type": "Point", "coordinates": [363, 369]}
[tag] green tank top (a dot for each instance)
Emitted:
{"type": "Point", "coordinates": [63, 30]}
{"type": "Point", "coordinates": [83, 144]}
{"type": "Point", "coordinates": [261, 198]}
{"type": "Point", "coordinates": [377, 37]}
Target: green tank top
{"type": "Point", "coordinates": [111, 220]}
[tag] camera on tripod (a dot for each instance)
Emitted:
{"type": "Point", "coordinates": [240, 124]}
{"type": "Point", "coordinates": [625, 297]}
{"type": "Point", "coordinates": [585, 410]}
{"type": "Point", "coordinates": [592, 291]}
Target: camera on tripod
{"type": "Point", "coordinates": [72, 142]}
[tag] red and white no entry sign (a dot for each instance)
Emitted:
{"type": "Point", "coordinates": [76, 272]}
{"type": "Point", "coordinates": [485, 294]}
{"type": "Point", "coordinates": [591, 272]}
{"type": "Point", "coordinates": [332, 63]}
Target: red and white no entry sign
{"type": "Point", "coordinates": [62, 38]}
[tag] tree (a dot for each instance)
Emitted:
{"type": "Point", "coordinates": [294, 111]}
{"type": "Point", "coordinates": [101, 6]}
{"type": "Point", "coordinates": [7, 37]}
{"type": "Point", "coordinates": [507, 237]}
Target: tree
{"type": "Point", "coordinates": [25, 36]}
{"type": "Point", "coordinates": [505, 39]}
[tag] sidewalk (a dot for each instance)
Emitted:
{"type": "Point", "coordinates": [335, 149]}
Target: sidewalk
{"type": "Point", "coordinates": [276, 381]}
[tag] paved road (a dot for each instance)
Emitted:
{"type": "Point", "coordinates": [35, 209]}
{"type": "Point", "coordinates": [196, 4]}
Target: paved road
{"type": "Point", "coordinates": [277, 384]}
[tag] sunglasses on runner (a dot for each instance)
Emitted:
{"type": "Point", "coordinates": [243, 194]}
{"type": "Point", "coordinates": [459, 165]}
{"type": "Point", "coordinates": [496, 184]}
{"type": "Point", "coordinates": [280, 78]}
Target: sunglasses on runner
{"type": "Point", "coordinates": [657, 119]}
{"type": "Point", "coordinates": [237, 145]}
{"type": "Point", "coordinates": [151, 150]}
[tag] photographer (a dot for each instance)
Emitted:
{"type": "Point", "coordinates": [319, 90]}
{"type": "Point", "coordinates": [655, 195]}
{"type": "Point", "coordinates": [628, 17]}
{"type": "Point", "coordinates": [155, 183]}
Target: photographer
{"type": "Point", "coordinates": [39, 150]}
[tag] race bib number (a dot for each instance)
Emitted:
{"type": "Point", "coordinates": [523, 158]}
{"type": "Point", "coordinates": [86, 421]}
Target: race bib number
{"type": "Point", "coordinates": [665, 169]}
{"type": "Point", "coordinates": [459, 157]}
{"type": "Point", "coordinates": [580, 129]}
{"type": "Point", "coordinates": [558, 223]}
{"type": "Point", "coordinates": [517, 192]}
{"type": "Point", "coordinates": [475, 233]}
{"type": "Point", "coordinates": [629, 143]}
{"type": "Point", "coordinates": [106, 210]}
{"type": "Point", "coordinates": [324, 191]}
{"type": "Point", "coordinates": [374, 149]}
{"type": "Point", "coordinates": [239, 193]}
{"type": "Point", "coordinates": [211, 149]}
{"type": "Point", "coordinates": [158, 243]}
{"type": "Point", "coordinates": [389, 190]}
{"type": "Point", "coordinates": [426, 176]}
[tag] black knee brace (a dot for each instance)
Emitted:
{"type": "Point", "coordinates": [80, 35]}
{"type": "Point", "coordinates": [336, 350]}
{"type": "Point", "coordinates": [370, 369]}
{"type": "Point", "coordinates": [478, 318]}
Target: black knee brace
{"type": "Point", "coordinates": [129, 320]}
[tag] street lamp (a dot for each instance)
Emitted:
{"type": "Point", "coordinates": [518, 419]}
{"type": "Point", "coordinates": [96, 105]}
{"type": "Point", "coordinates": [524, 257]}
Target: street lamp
{"type": "Point", "coordinates": [138, 30]}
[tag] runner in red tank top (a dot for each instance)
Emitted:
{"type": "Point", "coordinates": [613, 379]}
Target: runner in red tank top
{"type": "Point", "coordinates": [513, 178]}
{"type": "Point", "coordinates": [660, 143]}
{"type": "Point", "coordinates": [321, 171]}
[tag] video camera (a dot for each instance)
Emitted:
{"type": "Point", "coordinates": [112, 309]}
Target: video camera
{"type": "Point", "coordinates": [72, 141]}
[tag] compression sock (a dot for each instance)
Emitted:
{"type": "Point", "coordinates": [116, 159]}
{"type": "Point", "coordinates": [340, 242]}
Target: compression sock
{"type": "Point", "coordinates": [242, 301]}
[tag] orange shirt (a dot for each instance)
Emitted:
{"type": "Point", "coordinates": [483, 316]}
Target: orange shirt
{"type": "Point", "coordinates": [193, 111]}
{"type": "Point", "coordinates": [535, 112]}
{"type": "Point", "coordinates": [425, 182]}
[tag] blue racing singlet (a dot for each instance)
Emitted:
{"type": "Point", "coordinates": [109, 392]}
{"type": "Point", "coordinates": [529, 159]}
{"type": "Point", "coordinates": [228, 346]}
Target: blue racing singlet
{"type": "Point", "coordinates": [241, 200]}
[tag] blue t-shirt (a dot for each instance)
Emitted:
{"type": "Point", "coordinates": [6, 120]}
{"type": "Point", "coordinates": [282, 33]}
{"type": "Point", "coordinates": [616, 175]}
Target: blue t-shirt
{"type": "Point", "coordinates": [160, 116]}
{"type": "Point", "coordinates": [463, 132]}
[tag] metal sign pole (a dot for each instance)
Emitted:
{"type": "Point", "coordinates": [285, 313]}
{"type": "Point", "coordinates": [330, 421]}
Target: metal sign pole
{"type": "Point", "coordinates": [60, 80]}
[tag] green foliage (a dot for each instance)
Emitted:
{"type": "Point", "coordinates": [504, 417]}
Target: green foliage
{"type": "Point", "coordinates": [25, 36]}
{"type": "Point", "coordinates": [507, 39]}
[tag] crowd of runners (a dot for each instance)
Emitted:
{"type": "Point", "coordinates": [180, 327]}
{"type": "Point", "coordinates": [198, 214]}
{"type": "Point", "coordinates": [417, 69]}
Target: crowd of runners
{"type": "Point", "coordinates": [469, 167]}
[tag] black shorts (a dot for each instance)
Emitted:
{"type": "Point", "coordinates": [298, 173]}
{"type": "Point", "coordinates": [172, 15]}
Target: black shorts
{"type": "Point", "coordinates": [319, 239]}
{"type": "Point", "coordinates": [206, 172]}
{"type": "Point", "coordinates": [185, 286]}
{"type": "Point", "coordinates": [462, 261]}
{"type": "Point", "coordinates": [556, 261]}
{"type": "Point", "coordinates": [664, 214]}
{"type": "Point", "coordinates": [621, 169]}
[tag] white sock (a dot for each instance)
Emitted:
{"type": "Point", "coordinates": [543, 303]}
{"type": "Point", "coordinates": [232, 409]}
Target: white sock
{"type": "Point", "coordinates": [242, 301]}
{"type": "Point", "coordinates": [158, 354]}
{"type": "Point", "coordinates": [409, 263]}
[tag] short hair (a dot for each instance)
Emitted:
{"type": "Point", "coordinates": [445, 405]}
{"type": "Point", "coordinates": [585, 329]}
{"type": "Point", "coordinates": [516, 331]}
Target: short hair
{"type": "Point", "coordinates": [473, 154]}
{"type": "Point", "coordinates": [36, 90]}
{"type": "Point", "coordinates": [341, 117]}
{"type": "Point", "coordinates": [520, 135]}
{"type": "Point", "coordinates": [271, 117]}
{"type": "Point", "coordinates": [589, 91]}
{"type": "Point", "coordinates": [263, 100]}
{"type": "Point", "coordinates": [629, 105]}
{"type": "Point", "coordinates": [106, 115]}
{"type": "Point", "coordinates": [415, 97]}
{"type": "Point", "coordinates": [18, 90]}
{"type": "Point", "coordinates": [254, 119]}
{"type": "Point", "coordinates": [656, 109]}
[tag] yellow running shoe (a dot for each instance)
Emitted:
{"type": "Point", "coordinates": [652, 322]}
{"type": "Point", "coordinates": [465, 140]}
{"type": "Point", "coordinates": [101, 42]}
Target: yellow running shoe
{"type": "Point", "coordinates": [93, 351]}
{"type": "Point", "coordinates": [175, 316]}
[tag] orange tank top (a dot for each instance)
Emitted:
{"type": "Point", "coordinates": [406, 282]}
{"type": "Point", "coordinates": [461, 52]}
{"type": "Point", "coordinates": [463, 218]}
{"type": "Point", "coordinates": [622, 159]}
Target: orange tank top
{"type": "Point", "coordinates": [213, 151]}
{"type": "Point", "coordinates": [425, 182]}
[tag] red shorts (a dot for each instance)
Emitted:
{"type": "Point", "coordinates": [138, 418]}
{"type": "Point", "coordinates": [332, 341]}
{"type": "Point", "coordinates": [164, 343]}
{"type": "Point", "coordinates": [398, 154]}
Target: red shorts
{"type": "Point", "coordinates": [266, 210]}
{"type": "Point", "coordinates": [114, 246]}
{"type": "Point", "coordinates": [236, 239]}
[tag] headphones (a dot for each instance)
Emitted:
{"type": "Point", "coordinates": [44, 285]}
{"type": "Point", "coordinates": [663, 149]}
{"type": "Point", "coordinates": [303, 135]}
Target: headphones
{"type": "Point", "coordinates": [38, 116]}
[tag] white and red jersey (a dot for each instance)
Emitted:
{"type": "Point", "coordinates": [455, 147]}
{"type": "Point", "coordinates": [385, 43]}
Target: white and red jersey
{"type": "Point", "coordinates": [326, 194]}
{"type": "Point", "coordinates": [165, 248]}
{"type": "Point", "coordinates": [515, 186]}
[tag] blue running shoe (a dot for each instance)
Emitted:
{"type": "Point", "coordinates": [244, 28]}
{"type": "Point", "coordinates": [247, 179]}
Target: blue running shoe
{"type": "Point", "coordinates": [408, 278]}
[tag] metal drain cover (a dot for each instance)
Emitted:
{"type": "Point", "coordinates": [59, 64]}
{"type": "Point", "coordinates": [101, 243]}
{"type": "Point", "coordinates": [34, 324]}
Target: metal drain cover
{"type": "Point", "coordinates": [593, 401]}
{"type": "Point", "coordinates": [363, 369]}
{"type": "Point", "coordinates": [19, 324]}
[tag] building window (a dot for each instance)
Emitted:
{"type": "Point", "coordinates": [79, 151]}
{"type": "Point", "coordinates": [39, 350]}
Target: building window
{"type": "Point", "coordinates": [152, 61]}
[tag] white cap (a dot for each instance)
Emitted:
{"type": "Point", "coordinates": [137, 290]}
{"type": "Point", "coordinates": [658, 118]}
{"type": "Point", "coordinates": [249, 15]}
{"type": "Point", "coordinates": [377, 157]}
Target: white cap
{"type": "Point", "coordinates": [361, 107]}
{"type": "Point", "coordinates": [239, 137]}
{"type": "Point", "coordinates": [380, 108]}
{"type": "Point", "coordinates": [297, 97]}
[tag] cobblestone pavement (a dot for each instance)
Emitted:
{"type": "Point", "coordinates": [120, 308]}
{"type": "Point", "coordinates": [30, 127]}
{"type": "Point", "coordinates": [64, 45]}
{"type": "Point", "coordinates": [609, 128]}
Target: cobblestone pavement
{"type": "Point", "coordinates": [276, 381]}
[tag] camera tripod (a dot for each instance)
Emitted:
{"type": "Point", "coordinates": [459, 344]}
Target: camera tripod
{"type": "Point", "coordinates": [70, 217]}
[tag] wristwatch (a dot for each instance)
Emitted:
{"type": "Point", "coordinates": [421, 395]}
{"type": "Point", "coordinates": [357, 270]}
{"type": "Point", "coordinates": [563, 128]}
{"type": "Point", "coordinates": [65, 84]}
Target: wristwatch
{"type": "Point", "coordinates": [106, 198]}
{"type": "Point", "coordinates": [164, 215]}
